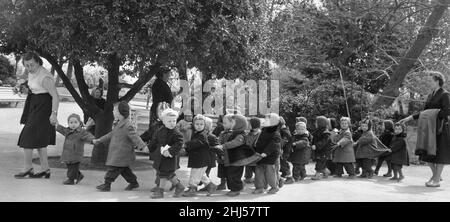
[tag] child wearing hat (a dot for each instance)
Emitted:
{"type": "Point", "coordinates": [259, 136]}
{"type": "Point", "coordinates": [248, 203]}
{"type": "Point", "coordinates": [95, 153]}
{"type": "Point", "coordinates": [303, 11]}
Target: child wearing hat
{"type": "Point", "coordinates": [301, 151]}
{"type": "Point", "coordinates": [344, 155]}
{"type": "Point", "coordinates": [73, 148]}
{"type": "Point", "coordinates": [250, 140]}
{"type": "Point", "coordinates": [399, 155]}
{"type": "Point", "coordinates": [268, 146]}
{"type": "Point", "coordinates": [165, 147]}
{"type": "Point", "coordinates": [322, 146]}
{"type": "Point", "coordinates": [122, 140]}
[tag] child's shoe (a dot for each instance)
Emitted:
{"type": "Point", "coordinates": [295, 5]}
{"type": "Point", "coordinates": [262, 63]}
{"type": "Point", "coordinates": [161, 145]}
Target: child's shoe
{"type": "Point", "coordinates": [370, 176]}
{"type": "Point", "coordinates": [154, 189]}
{"type": "Point", "coordinates": [289, 180]}
{"type": "Point", "coordinates": [338, 176]}
{"type": "Point", "coordinates": [192, 192]}
{"type": "Point", "coordinates": [258, 191]}
{"type": "Point", "coordinates": [375, 172]}
{"type": "Point", "coordinates": [106, 187]}
{"type": "Point", "coordinates": [281, 183]}
{"type": "Point", "coordinates": [326, 173]}
{"type": "Point", "coordinates": [179, 190]}
{"type": "Point", "coordinates": [353, 176]}
{"type": "Point", "coordinates": [233, 193]}
{"type": "Point", "coordinates": [394, 178]}
{"type": "Point", "coordinates": [387, 175]}
{"type": "Point", "coordinates": [211, 188]}
{"type": "Point", "coordinates": [69, 182]}
{"type": "Point", "coordinates": [317, 176]}
{"type": "Point", "coordinates": [158, 193]}
{"type": "Point", "coordinates": [132, 186]}
{"type": "Point", "coordinates": [80, 177]}
{"type": "Point", "coordinates": [400, 178]}
{"type": "Point", "coordinates": [273, 190]}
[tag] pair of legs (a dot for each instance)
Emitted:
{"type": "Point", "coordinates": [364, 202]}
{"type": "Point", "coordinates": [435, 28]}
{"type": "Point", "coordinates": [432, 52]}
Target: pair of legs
{"type": "Point", "coordinates": [249, 171]}
{"type": "Point", "coordinates": [398, 174]}
{"type": "Point", "coordinates": [380, 163]}
{"type": "Point", "coordinates": [198, 175]}
{"type": "Point", "coordinates": [298, 171]}
{"type": "Point", "coordinates": [285, 168]}
{"type": "Point", "coordinates": [436, 169]}
{"type": "Point", "coordinates": [73, 171]}
{"type": "Point", "coordinates": [114, 172]}
{"type": "Point", "coordinates": [234, 178]}
{"type": "Point", "coordinates": [348, 167]}
{"type": "Point", "coordinates": [43, 158]}
{"type": "Point", "coordinates": [366, 165]}
{"type": "Point", "coordinates": [321, 166]}
{"type": "Point", "coordinates": [266, 174]}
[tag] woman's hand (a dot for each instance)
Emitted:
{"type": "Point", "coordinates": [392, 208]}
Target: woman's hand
{"type": "Point", "coordinates": [53, 119]}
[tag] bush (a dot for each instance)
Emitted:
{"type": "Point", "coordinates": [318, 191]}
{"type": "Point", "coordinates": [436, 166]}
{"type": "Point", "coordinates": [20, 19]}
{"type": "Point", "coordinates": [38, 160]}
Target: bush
{"type": "Point", "coordinates": [6, 70]}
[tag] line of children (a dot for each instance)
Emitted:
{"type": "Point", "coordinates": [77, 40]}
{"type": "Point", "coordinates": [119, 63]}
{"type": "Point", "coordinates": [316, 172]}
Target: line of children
{"type": "Point", "coordinates": [259, 151]}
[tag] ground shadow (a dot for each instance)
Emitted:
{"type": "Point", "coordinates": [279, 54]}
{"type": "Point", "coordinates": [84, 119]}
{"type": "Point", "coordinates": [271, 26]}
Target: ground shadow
{"type": "Point", "coordinates": [139, 164]}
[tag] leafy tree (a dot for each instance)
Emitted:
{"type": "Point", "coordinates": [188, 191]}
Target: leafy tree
{"type": "Point", "coordinates": [146, 36]}
{"type": "Point", "coordinates": [6, 69]}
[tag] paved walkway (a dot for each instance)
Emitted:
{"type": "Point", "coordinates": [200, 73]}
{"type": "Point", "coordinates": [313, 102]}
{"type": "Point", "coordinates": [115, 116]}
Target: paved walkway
{"type": "Point", "coordinates": [412, 189]}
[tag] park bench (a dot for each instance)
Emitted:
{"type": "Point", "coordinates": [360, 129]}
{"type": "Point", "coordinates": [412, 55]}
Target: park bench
{"type": "Point", "coordinates": [7, 96]}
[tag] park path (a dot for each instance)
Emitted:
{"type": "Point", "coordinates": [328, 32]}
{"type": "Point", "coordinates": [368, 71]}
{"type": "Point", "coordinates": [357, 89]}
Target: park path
{"type": "Point", "coordinates": [412, 189]}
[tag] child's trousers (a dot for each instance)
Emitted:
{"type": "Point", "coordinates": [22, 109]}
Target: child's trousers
{"type": "Point", "coordinates": [73, 170]}
{"type": "Point", "coordinates": [234, 178]}
{"type": "Point", "coordinates": [349, 167]}
{"type": "Point", "coordinates": [197, 175]}
{"type": "Point", "coordinates": [266, 174]}
{"type": "Point", "coordinates": [298, 170]}
{"type": "Point", "coordinates": [249, 171]}
{"type": "Point", "coordinates": [321, 165]}
{"type": "Point", "coordinates": [285, 168]}
{"type": "Point", "coordinates": [366, 166]}
{"type": "Point", "coordinates": [114, 172]}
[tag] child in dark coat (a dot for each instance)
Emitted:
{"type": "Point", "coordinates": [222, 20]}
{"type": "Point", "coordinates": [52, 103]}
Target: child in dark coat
{"type": "Point", "coordinates": [73, 149]}
{"type": "Point", "coordinates": [399, 156]}
{"type": "Point", "coordinates": [301, 151]}
{"type": "Point", "coordinates": [122, 140]}
{"type": "Point", "coordinates": [286, 149]}
{"type": "Point", "coordinates": [268, 146]}
{"type": "Point", "coordinates": [385, 138]}
{"type": "Point", "coordinates": [223, 137]}
{"type": "Point", "coordinates": [237, 154]}
{"type": "Point", "coordinates": [250, 140]}
{"type": "Point", "coordinates": [165, 147]}
{"type": "Point", "coordinates": [322, 146]}
{"type": "Point", "coordinates": [199, 157]}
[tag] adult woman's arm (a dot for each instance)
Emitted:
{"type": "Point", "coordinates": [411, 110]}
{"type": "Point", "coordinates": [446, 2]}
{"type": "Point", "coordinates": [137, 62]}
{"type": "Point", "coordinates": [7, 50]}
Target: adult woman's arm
{"type": "Point", "coordinates": [49, 85]}
{"type": "Point", "coordinates": [445, 111]}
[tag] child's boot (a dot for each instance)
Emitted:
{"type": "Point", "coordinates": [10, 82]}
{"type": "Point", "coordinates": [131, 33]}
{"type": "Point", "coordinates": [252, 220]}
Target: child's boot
{"type": "Point", "coordinates": [192, 192]}
{"type": "Point", "coordinates": [69, 182]}
{"type": "Point", "coordinates": [222, 185]}
{"type": "Point", "coordinates": [211, 188]}
{"type": "Point", "coordinates": [317, 176]}
{"type": "Point", "coordinates": [80, 177]}
{"type": "Point", "coordinates": [158, 193]}
{"type": "Point", "coordinates": [289, 180]}
{"type": "Point", "coordinates": [179, 188]}
{"type": "Point", "coordinates": [157, 182]}
{"type": "Point", "coordinates": [104, 187]}
{"type": "Point", "coordinates": [132, 186]}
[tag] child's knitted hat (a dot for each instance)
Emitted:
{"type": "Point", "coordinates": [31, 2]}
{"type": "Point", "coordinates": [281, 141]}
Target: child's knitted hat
{"type": "Point", "coordinates": [76, 116]}
{"type": "Point", "coordinates": [124, 109]}
{"type": "Point", "coordinates": [301, 119]}
{"type": "Point", "coordinates": [255, 123]}
{"type": "Point", "coordinates": [240, 122]}
{"type": "Point", "coordinates": [271, 119]}
{"type": "Point", "coordinates": [322, 122]}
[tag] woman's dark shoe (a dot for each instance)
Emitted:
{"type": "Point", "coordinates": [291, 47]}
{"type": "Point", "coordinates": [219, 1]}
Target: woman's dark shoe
{"type": "Point", "coordinates": [28, 173]}
{"type": "Point", "coordinates": [45, 174]}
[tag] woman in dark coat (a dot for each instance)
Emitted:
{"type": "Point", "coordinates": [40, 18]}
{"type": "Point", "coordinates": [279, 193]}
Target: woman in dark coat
{"type": "Point", "coordinates": [39, 116]}
{"type": "Point", "coordinates": [160, 93]}
{"type": "Point", "coordinates": [438, 99]}
{"type": "Point", "coordinates": [97, 95]}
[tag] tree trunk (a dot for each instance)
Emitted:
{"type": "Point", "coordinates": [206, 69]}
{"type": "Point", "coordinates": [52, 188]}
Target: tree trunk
{"type": "Point", "coordinates": [103, 120]}
{"type": "Point", "coordinates": [426, 34]}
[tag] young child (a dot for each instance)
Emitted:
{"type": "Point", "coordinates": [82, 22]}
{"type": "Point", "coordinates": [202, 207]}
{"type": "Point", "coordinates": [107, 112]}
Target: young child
{"type": "Point", "coordinates": [199, 157]}
{"type": "Point", "coordinates": [213, 141]}
{"type": "Point", "coordinates": [185, 127]}
{"type": "Point", "coordinates": [250, 140]}
{"type": "Point", "coordinates": [120, 150]}
{"type": "Point", "coordinates": [223, 137]}
{"type": "Point", "coordinates": [165, 147]}
{"type": "Point", "coordinates": [344, 156]}
{"type": "Point", "coordinates": [399, 155]}
{"type": "Point", "coordinates": [237, 154]}
{"type": "Point", "coordinates": [268, 146]}
{"type": "Point", "coordinates": [322, 146]}
{"type": "Point", "coordinates": [73, 148]}
{"type": "Point", "coordinates": [286, 149]}
{"type": "Point", "coordinates": [387, 127]}
{"type": "Point", "coordinates": [301, 151]}
{"type": "Point", "coordinates": [334, 131]}
{"type": "Point", "coordinates": [367, 149]}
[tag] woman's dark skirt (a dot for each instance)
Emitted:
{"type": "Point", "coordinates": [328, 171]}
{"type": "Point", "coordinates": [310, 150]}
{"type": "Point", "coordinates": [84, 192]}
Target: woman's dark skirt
{"type": "Point", "coordinates": [37, 132]}
{"type": "Point", "coordinates": [442, 150]}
